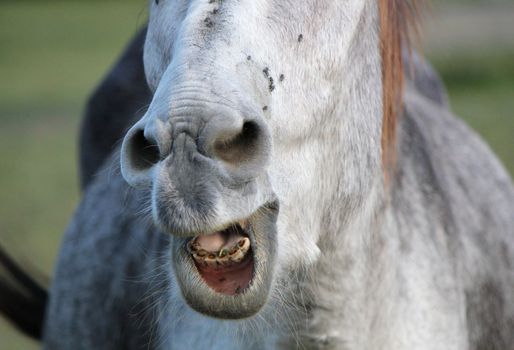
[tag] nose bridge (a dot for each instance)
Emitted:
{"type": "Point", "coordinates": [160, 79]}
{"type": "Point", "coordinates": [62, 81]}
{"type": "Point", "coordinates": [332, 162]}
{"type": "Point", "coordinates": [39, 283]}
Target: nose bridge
{"type": "Point", "coordinates": [202, 110]}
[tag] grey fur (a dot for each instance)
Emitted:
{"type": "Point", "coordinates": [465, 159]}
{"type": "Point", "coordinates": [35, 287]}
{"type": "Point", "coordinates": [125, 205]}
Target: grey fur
{"type": "Point", "coordinates": [113, 271]}
{"type": "Point", "coordinates": [467, 191]}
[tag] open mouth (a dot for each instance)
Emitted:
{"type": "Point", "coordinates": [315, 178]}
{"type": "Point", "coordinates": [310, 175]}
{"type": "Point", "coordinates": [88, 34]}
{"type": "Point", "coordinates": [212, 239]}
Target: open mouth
{"type": "Point", "coordinates": [228, 273]}
{"type": "Point", "coordinates": [224, 259]}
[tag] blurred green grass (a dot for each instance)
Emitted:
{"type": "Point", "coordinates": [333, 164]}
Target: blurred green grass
{"type": "Point", "coordinates": [54, 53]}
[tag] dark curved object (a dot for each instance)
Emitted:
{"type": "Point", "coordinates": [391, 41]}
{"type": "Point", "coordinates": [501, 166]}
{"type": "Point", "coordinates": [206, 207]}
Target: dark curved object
{"type": "Point", "coordinates": [112, 108]}
{"type": "Point", "coordinates": [22, 300]}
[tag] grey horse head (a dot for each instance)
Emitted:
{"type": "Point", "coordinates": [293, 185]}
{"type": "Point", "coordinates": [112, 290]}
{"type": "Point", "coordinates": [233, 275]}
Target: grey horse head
{"type": "Point", "coordinates": [251, 102]}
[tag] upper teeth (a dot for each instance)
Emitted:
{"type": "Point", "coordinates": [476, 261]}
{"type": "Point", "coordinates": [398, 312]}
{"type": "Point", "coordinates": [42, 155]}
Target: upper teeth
{"type": "Point", "coordinates": [224, 257]}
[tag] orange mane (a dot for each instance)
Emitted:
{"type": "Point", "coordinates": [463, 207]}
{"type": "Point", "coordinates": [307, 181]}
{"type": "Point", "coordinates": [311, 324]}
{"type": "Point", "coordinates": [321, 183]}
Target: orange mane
{"type": "Point", "coordinates": [398, 20]}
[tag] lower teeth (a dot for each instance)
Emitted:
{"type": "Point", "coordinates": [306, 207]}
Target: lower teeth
{"type": "Point", "coordinates": [224, 257]}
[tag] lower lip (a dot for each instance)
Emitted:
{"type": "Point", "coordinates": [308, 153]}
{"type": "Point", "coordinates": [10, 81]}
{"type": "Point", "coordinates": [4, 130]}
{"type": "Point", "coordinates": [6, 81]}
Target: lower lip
{"type": "Point", "coordinates": [232, 280]}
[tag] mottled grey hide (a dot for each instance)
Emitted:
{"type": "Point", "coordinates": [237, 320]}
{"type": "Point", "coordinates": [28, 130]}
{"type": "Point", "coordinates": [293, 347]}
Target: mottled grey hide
{"type": "Point", "coordinates": [109, 274]}
{"type": "Point", "coordinates": [464, 200]}
{"type": "Point", "coordinates": [113, 271]}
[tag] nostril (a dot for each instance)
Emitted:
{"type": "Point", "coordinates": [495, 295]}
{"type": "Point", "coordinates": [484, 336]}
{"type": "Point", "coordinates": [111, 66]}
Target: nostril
{"type": "Point", "coordinates": [241, 147]}
{"type": "Point", "coordinates": [142, 153]}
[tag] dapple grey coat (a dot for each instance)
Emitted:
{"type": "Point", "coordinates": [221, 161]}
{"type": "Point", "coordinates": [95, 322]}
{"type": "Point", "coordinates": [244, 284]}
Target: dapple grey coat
{"type": "Point", "coordinates": [113, 280]}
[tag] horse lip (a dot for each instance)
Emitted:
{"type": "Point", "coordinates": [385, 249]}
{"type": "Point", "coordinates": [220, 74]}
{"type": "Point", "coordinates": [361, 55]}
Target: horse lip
{"type": "Point", "coordinates": [245, 224]}
{"type": "Point", "coordinates": [216, 262]}
{"type": "Point", "coordinates": [262, 234]}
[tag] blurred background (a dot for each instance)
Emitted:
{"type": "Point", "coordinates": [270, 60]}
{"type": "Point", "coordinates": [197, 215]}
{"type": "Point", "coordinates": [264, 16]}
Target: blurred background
{"type": "Point", "coordinates": [53, 53]}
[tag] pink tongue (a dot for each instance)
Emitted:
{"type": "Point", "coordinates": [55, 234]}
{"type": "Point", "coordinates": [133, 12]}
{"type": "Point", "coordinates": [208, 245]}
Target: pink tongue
{"type": "Point", "coordinates": [212, 243]}
{"type": "Point", "coordinates": [215, 242]}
